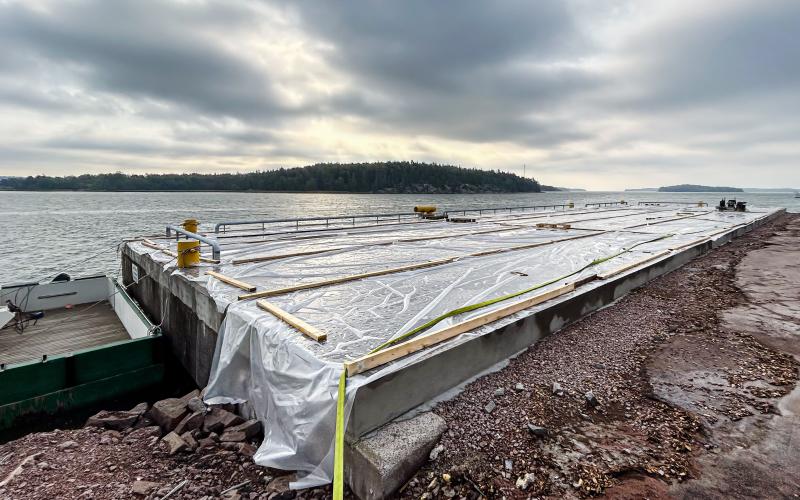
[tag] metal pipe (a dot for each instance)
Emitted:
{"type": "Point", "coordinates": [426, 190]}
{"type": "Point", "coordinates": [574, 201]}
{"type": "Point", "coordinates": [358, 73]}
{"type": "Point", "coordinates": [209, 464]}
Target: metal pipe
{"type": "Point", "coordinates": [213, 243]}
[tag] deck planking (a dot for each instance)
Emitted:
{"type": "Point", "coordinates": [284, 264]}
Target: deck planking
{"type": "Point", "coordinates": [62, 331]}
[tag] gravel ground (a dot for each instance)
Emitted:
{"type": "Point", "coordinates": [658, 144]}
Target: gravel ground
{"type": "Point", "coordinates": [633, 443]}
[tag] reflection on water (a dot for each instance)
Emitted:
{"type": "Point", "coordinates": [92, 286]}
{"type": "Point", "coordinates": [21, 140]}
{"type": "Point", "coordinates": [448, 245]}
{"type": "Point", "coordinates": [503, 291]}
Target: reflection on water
{"type": "Point", "coordinates": [46, 232]}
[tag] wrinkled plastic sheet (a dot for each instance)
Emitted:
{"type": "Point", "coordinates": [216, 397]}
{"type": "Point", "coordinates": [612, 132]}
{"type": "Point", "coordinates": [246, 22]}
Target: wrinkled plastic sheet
{"type": "Point", "coordinates": [290, 381]}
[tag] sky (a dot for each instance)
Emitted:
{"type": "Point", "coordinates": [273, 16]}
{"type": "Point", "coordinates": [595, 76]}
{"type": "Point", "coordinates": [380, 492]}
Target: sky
{"type": "Point", "coordinates": [579, 93]}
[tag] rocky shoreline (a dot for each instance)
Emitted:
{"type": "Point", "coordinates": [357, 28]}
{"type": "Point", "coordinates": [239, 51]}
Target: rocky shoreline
{"type": "Point", "coordinates": [176, 448]}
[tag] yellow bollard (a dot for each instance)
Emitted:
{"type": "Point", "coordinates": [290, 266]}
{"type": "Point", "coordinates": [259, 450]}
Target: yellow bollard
{"type": "Point", "coordinates": [425, 209]}
{"type": "Point", "coordinates": [190, 225]}
{"type": "Point", "coordinates": [188, 253]}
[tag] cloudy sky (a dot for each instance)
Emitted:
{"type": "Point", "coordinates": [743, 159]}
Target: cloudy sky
{"type": "Point", "coordinates": [600, 95]}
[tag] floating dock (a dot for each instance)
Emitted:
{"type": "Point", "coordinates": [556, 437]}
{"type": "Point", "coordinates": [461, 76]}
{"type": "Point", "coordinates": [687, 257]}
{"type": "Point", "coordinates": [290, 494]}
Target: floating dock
{"type": "Point", "coordinates": [407, 305]}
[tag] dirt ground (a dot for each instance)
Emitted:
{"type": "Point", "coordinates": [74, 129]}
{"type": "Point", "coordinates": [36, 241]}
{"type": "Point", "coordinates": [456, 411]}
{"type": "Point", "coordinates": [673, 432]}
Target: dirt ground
{"type": "Point", "coordinates": [694, 377]}
{"type": "Point", "coordinates": [685, 388]}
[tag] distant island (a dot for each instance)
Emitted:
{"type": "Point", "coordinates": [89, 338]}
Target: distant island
{"type": "Point", "coordinates": [694, 188]}
{"type": "Point", "coordinates": [379, 177]}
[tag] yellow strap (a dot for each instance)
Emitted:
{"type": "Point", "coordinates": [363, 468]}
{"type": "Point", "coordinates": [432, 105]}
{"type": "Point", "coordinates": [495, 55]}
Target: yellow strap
{"type": "Point", "coordinates": [338, 447]}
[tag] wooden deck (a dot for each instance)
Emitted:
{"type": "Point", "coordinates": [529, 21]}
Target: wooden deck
{"type": "Point", "coordinates": [62, 331]}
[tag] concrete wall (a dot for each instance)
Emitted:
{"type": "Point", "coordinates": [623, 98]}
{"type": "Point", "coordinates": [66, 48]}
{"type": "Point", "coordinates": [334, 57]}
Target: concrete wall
{"type": "Point", "coordinates": [187, 313]}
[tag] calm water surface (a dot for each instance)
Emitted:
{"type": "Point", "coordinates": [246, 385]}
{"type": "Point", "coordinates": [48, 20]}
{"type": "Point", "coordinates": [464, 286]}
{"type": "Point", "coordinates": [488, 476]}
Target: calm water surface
{"type": "Point", "coordinates": [48, 232]}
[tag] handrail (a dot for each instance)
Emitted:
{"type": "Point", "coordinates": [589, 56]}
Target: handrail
{"type": "Point", "coordinates": [326, 219]}
{"type": "Point", "coordinates": [605, 204]}
{"type": "Point", "coordinates": [480, 211]}
{"type": "Point", "coordinates": [215, 248]}
{"type": "Point", "coordinates": [698, 203]}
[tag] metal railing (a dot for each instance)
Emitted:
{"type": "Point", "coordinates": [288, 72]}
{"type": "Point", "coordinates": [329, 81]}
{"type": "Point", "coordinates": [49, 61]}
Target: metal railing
{"type": "Point", "coordinates": [317, 221]}
{"type": "Point", "coordinates": [699, 203]}
{"type": "Point", "coordinates": [213, 243]}
{"type": "Point", "coordinates": [480, 211]}
{"type": "Point", "coordinates": [605, 204]}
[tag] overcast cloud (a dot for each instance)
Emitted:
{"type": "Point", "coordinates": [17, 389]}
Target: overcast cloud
{"type": "Point", "coordinates": [600, 95]}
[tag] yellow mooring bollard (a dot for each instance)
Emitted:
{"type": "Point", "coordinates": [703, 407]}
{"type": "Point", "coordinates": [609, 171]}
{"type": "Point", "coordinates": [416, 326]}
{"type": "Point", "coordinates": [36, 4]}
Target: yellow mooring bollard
{"type": "Point", "coordinates": [190, 225]}
{"type": "Point", "coordinates": [188, 253]}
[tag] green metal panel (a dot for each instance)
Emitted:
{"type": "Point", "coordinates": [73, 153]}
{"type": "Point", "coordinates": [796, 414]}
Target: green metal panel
{"type": "Point", "coordinates": [82, 395]}
{"type": "Point", "coordinates": [80, 378]}
{"type": "Point", "coordinates": [30, 379]}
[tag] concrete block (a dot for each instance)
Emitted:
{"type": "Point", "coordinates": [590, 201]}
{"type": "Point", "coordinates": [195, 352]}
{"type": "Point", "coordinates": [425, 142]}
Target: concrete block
{"type": "Point", "coordinates": [379, 464]}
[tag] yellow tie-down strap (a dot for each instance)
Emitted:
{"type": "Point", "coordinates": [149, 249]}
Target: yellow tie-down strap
{"type": "Point", "coordinates": [338, 450]}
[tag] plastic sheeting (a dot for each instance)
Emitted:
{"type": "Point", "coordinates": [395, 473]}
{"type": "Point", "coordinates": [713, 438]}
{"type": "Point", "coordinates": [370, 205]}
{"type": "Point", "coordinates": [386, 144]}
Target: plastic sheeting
{"type": "Point", "coordinates": [290, 382]}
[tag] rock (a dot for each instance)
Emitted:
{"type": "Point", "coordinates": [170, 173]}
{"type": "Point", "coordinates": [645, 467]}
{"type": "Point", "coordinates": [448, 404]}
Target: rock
{"type": "Point", "coordinates": [144, 421]}
{"type": "Point", "coordinates": [251, 428]}
{"type": "Point", "coordinates": [245, 449]}
{"type": "Point", "coordinates": [110, 437]}
{"type": "Point", "coordinates": [175, 443]}
{"type": "Point", "coordinates": [168, 413]}
{"type": "Point", "coordinates": [519, 387]}
{"type": "Point", "coordinates": [280, 486]}
{"type": "Point", "coordinates": [188, 397]}
{"type": "Point", "coordinates": [508, 464]}
{"type": "Point", "coordinates": [218, 419]}
{"type": "Point", "coordinates": [114, 420]}
{"type": "Point", "coordinates": [539, 432]}
{"type": "Point", "coordinates": [139, 410]}
{"type": "Point", "coordinates": [591, 400]}
{"type": "Point", "coordinates": [525, 481]}
{"type": "Point", "coordinates": [190, 423]}
{"type": "Point", "coordinates": [196, 405]}
{"type": "Point", "coordinates": [490, 406]}
{"type": "Point", "coordinates": [67, 445]}
{"type": "Point", "coordinates": [143, 488]}
{"type": "Point", "coordinates": [499, 391]}
{"type": "Point", "coordinates": [557, 390]}
{"type": "Point", "coordinates": [143, 433]}
{"type": "Point", "coordinates": [191, 442]}
{"type": "Point", "coordinates": [206, 442]}
{"type": "Point", "coordinates": [436, 452]}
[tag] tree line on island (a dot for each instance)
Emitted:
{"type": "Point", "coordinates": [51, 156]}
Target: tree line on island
{"type": "Point", "coordinates": [379, 177]}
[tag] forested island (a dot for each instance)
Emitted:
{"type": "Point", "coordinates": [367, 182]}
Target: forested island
{"type": "Point", "coordinates": [694, 188]}
{"type": "Point", "coordinates": [380, 177]}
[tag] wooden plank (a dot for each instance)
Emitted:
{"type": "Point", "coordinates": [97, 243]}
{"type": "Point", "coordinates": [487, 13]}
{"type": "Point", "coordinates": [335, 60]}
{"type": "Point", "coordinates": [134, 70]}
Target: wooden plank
{"type": "Point", "coordinates": [264, 258]}
{"type": "Point", "coordinates": [626, 267]}
{"type": "Point", "coordinates": [693, 242]}
{"type": "Point", "coordinates": [344, 279]}
{"type": "Point", "coordinates": [232, 281]}
{"type": "Point", "coordinates": [389, 354]}
{"type": "Point", "coordinates": [293, 320]}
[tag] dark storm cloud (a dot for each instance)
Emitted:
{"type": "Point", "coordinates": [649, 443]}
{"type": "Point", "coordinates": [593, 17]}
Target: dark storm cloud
{"type": "Point", "coordinates": [480, 71]}
{"type": "Point", "coordinates": [142, 49]}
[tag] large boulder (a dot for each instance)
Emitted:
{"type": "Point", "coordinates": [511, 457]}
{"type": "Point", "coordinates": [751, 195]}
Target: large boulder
{"type": "Point", "coordinates": [190, 423]}
{"type": "Point", "coordinates": [217, 420]}
{"type": "Point", "coordinates": [175, 443]}
{"type": "Point", "coordinates": [242, 432]}
{"type": "Point", "coordinates": [168, 413]}
{"type": "Point", "coordinates": [114, 420]}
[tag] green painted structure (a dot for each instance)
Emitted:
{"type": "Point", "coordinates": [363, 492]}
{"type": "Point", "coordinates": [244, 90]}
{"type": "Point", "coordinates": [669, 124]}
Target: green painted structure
{"type": "Point", "coordinates": [79, 379]}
